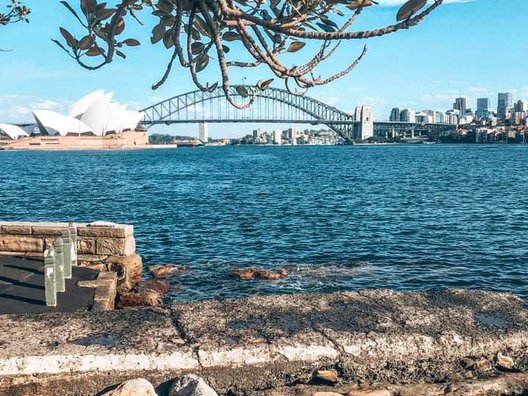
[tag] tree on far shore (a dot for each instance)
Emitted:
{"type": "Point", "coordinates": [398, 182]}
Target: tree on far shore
{"type": "Point", "coordinates": [201, 32]}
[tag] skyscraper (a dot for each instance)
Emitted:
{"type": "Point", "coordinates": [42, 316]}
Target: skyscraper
{"type": "Point", "coordinates": [504, 105]}
{"type": "Point", "coordinates": [483, 108]}
{"type": "Point", "coordinates": [395, 114]}
{"type": "Point", "coordinates": [460, 104]}
{"type": "Point", "coordinates": [407, 115]}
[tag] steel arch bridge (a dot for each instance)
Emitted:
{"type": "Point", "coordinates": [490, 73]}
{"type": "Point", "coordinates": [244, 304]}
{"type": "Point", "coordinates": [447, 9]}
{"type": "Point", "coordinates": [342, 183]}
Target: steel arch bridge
{"type": "Point", "coordinates": [270, 106]}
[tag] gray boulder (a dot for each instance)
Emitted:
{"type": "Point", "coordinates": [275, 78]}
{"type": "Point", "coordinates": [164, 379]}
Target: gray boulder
{"type": "Point", "coordinates": [191, 385]}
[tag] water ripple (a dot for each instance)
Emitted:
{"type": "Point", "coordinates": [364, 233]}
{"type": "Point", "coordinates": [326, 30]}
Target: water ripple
{"type": "Point", "coordinates": [340, 218]}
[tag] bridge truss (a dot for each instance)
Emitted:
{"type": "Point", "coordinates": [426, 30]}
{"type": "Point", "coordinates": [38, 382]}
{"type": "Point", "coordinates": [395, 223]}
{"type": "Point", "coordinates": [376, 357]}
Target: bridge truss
{"type": "Point", "coordinates": [270, 106]}
{"type": "Point", "coordinates": [273, 106]}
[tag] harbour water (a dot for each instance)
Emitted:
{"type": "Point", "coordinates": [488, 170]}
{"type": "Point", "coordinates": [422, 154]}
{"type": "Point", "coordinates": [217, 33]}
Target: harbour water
{"type": "Point", "coordinates": [413, 217]}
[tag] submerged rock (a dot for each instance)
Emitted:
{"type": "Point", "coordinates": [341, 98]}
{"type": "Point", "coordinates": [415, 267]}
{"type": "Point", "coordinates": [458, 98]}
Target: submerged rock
{"type": "Point", "coordinates": [135, 387]}
{"type": "Point", "coordinates": [191, 385]}
{"type": "Point", "coordinates": [245, 274]}
{"type": "Point", "coordinates": [252, 273]}
{"type": "Point", "coordinates": [162, 271]}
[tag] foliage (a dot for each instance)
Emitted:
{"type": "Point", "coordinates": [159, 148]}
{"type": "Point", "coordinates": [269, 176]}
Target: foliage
{"type": "Point", "coordinates": [16, 12]}
{"type": "Point", "coordinates": [200, 31]}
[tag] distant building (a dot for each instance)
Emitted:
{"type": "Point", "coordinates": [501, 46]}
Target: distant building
{"type": "Point", "coordinates": [520, 106]}
{"type": "Point", "coordinates": [395, 114]}
{"type": "Point", "coordinates": [460, 104]}
{"type": "Point", "coordinates": [407, 115]}
{"type": "Point", "coordinates": [203, 132]}
{"type": "Point", "coordinates": [423, 118]}
{"type": "Point", "coordinates": [292, 135]}
{"type": "Point", "coordinates": [277, 136]}
{"type": "Point", "coordinates": [504, 105]}
{"type": "Point", "coordinates": [439, 117]}
{"type": "Point", "coordinates": [452, 117]}
{"type": "Point", "coordinates": [483, 108]}
{"type": "Point", "coordinates": [366, 127]}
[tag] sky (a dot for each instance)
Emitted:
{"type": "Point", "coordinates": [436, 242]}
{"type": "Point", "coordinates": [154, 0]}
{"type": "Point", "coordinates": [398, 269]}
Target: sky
{"type": "Point", "coordinates": [473, 48]}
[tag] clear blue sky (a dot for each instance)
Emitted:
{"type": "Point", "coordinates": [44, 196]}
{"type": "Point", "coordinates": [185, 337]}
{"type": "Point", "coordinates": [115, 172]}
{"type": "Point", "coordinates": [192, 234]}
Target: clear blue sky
{"type": "Point", "coordinates": [473, 48]}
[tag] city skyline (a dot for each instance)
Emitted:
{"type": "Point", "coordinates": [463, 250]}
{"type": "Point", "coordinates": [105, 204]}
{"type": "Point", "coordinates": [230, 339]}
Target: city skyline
{"type": "Point", "coordinates": [423, 68]}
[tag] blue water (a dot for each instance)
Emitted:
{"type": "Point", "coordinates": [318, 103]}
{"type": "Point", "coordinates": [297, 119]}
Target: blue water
{"type": "Point", "coordinates": [340, 218]}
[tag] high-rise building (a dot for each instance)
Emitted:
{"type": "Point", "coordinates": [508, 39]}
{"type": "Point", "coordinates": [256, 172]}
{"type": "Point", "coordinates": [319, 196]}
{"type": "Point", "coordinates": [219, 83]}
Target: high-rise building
{"type": "Point", "coordinates": [460, 104]}
{"type": "Point", "coordinates": [520, 106]}
{"type": "Point", "coordinates": [292, 135]}
{"type": "Point", "coordinates": [366, 128]}
{"type": "Point", "coordinates": [203, 132]}
{"type": "Point", "coordinates": [483, 108]}
{"type": "Point", "coordinates": [407, 115]}
{"type": "Point", "coordinates": [395, 114]}
{"type": "Point", "coordinates": [504, 105]}
{"type": "Point", "coordinates": [277, 136]}
{"type": "Point", "coordinates": [439, 117]}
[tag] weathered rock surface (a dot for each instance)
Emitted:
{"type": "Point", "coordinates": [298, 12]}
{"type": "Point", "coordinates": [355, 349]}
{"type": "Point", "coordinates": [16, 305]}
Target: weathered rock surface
{"type": "Point", "coordinates": [247, 345]}
{"type": "Point", "coordinates": [140, 298]}
{"type": "Point", "coordinates": [191, 385]}
{"type": "Point", "coordinates": [135, 387]}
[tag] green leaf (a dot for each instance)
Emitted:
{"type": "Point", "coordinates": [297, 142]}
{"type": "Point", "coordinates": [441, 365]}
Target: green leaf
{"type": "Point", "coordinates": [263, 85]}
{"type": "Point", "coordinates": [70, 40]}
{"type": "Point", "coordinates": [131, 42]}
{"type": "Point", "coordinates": [231, 36]}
{"type": "Point", "coordinates": [296, 46]}
{"type": "Point", "coordinates": [202, 62]}
{"type": "Point", "coordinates": [242, 91]}
{"type": "Point", "coordinates": [157, 33]}
{"type": "Point", "coordinates": [86, 42]}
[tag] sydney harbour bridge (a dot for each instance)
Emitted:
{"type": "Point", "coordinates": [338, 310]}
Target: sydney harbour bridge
{"type": "Point", "coordinates": [275, 106]}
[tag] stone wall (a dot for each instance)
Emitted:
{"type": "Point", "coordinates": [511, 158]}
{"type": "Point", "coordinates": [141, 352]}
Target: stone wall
{"type": "Point", "coordinates": [95, 242]}
{"type": "Point", "coordinates": [125, 140]}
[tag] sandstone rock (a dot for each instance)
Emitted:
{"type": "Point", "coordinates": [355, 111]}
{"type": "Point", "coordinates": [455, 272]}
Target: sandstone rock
{"type": "Point", "coordinates": [142, 298]}
{"type": "Point", "coordinates": [135, 387]}
{"type": "Point", "coordinates": [95, 265]}
{"type": "Point", "coordinates": [158, 285]}
{"type": "Point", "coordinates": [326, 376]}
{"type": "Point", "coordinates": [483, 364]}
{"type": "Point", "coordinates": [86, 246]}
{"type": "Point", "coordinates": [505, 362]}
{"type": "Point", "coordinates": [327, 394]}
{"type": "Point", "coordinates": [13, 243]}
{"type": "Point", "coordinates": [129, 270]}
{"type": "Point", "coordinates": [191, 385]}
{"type": "Point", "coordinates": [111, 246]}
{"type": "Point", "coordinates": [379, 392]}
{"type": "Point", "coordinates": [161, 271]}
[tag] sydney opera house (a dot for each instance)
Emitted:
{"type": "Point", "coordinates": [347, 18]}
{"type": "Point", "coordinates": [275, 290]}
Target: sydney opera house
{"type": "Point", "coordinates": [94, 122]}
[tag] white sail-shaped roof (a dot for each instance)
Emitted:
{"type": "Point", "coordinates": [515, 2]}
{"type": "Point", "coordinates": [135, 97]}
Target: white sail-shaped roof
{"type": "Point", "coordinates": [80, 107]}
{"type": "Point", "coordinates": [13, 131]}
{"type": "Point", "coordinates": [53, 123]}
{"type": "Point", "coordinates": [96, 115]}
{"type": "Point", "coordinates": [131, 120]}
{"type": "Point", "coordinates": [116, 117]}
